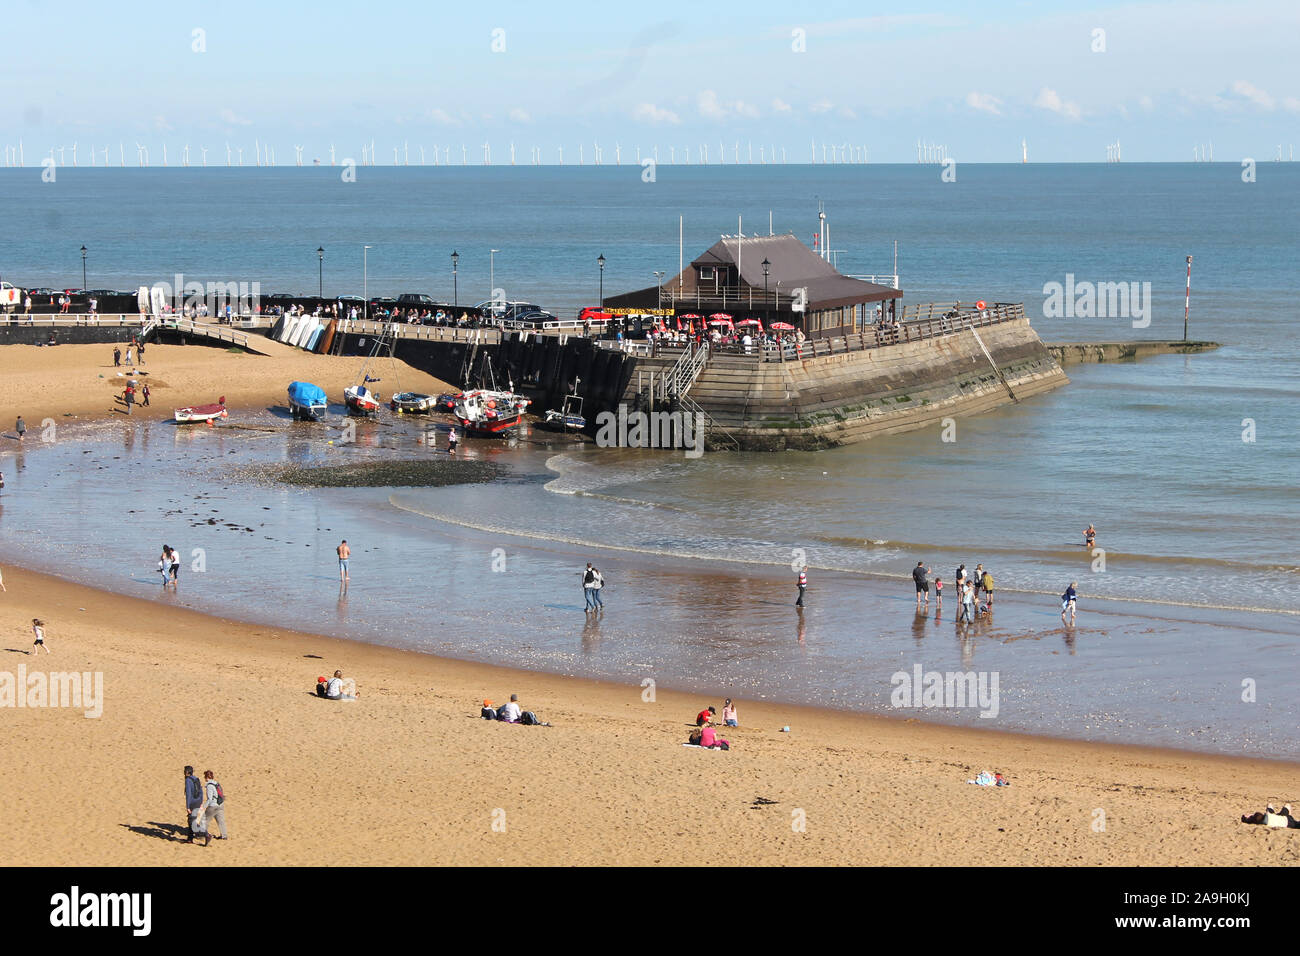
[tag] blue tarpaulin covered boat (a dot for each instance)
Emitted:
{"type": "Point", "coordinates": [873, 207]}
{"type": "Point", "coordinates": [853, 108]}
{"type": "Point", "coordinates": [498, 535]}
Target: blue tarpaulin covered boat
{"type": "Point", "coordinates": [307, 402]}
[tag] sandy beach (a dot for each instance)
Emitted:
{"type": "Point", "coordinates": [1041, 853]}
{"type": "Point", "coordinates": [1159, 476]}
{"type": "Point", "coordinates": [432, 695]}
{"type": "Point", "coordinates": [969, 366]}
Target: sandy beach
{"type": "Point", "coordinates": [409, 774]}
{"type": "Point", "coordinates": [80, 381]}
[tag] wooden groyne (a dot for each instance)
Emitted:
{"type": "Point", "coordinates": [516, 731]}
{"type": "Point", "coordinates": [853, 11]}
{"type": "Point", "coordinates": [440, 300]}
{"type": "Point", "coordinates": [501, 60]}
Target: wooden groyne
{"type": "Point", "coordinates": [1079, 353]}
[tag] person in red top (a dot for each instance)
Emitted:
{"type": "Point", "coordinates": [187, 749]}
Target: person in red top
{"type": "Point", "coordinates": [704, 716]}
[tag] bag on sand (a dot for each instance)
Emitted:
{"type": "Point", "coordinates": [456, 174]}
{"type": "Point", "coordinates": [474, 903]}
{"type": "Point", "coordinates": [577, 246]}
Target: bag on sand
{"type": "Point", "coordinates": [528, 718]}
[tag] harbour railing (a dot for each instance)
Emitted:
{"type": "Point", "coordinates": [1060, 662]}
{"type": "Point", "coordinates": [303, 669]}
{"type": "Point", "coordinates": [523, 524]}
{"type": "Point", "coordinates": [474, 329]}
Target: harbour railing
{"type": "Point", "coordinates": [425, 333]}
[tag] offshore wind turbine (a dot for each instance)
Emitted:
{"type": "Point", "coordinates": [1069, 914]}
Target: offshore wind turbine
{"type": "Point", "coordinates": [204, 150]}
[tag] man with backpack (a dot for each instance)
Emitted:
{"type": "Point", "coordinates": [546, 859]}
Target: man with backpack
{"type": "Point", "coordinates": [213, 808]}
{"type": "Point", "coordinates": [193, 803]}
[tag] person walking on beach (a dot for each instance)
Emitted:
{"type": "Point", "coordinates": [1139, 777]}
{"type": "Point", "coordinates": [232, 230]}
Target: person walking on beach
{"type": "Point", "coordinates": [213, 808]}
{"type": "Point", "coordinates": [597, 584]}
{"type": "Point", "coordinates": [987, 584]}
{"type": "Point", "coordinates": [128, 397]}
{"type": "Point", "coordinates": [967, 603]}
{"type": "Point", "coordinates": [451, 443]}
{"type": "Point", "coordinates": [128, 356]}
{"type": "Point", "coordinates": [959, 577]}
{"type": "Point", "coordinates": [938, 594]}
{"type": "Point", "coordinates": [117, 357]}
{"type": "Point", "coordinates": [193, 803]}
{"type": "Point", "coordinates": [977, 580]}
{"type": "Point", "coordinates": [38, 628]}
{"type": "Point", "coordinates": [144, 393]}
{"type": "Point", "coordinates": [1068, 600]}
{"type": "Point", "coordinates": [589, 585]}
{"type": "Point", "coordinates": [803, 585]}
{"type": "Point", "coordinates": [344, 553]}
{"type": "Point", "coordinates": [920, 576]}
{"type": "Point", "coordinates": [174, 564]}
{"type": "Point", "coordinates": [20, 426]}
{"type": "Point", "coordinates": [139, 349]}
{"type": "Point", "coordinates": [27, 305]}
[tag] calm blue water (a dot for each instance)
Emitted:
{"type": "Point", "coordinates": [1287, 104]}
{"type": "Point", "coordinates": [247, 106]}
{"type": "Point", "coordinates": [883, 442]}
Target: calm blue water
{"type": "Point", "coordinates": [1191, 517]}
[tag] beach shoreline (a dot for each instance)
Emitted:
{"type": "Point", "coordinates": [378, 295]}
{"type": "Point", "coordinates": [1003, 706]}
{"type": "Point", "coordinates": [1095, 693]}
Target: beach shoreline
{"type": "Point", "coordinates": [409, 774]}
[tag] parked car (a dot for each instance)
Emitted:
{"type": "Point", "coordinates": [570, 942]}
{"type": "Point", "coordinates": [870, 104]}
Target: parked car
{"type": "Point", "coordinates": [415, 300]}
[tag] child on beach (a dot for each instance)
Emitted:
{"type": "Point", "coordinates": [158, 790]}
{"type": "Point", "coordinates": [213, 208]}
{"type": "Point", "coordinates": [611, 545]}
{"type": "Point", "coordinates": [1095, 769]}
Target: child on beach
{"type": "Point", "coordinates": [38, 628]}
{"type": "Point", "coordinates": [938, 593]}
{"type": "Point", "coordinates": [1068, 600]}
{"type": "Point", "coordinates": [729, 714]}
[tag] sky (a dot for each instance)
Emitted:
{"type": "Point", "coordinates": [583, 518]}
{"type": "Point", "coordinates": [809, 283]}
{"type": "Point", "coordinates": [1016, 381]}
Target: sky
{"type": "Point", "coordinates": [771, 79]}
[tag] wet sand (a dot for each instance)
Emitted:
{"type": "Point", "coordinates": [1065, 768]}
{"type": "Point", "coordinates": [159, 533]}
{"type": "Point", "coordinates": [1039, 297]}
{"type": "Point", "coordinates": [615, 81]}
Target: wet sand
{"type": "Point", "coordinates": [409, 774]}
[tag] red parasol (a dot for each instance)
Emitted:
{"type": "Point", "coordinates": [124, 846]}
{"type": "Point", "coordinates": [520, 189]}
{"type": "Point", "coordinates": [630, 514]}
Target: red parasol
{"type": "Point", "coordinates": [782, 326]}
{"type": "Point", "coordinates": [749, 322]}
{"type": "Point", "coordinates": [720, 315]}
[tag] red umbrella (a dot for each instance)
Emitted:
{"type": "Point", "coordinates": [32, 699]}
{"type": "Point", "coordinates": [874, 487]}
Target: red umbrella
{"type": "Point", "coordinates": [782, 326]}
{"type": "Point", "coordinates": [720, 315]}
{"type": "Point", "coordinates": [719, 321]}
{"type": "Point", "coordinates": [749, 322]}
{"type": "Point", "coordinates": [689, 315]}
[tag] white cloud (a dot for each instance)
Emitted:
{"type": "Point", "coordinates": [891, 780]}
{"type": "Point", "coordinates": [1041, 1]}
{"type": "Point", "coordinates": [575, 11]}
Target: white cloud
{"type": "Point", "coordinates": [441, 116]}
{"type": "Point", "coordinates": [649, 113]}
{"type": "Point", "coordinates": [1254, 94]}
{"type": "Point", "coordinates": [821, 106]}
{"type": "Point", "coordinates": [231, 118]}
{"type": "Point", "coordinates": [984, 102]}
{"type": "Point", "coordinates": [848, 113]}
{"type": "Point", "coordinates": [780, 106]}
{"type": "Point", "coordinates": [1049, 99]}
{"type": "Point", "coordinates": [708, 105]}
{"type": "Point", "coordinates": [1146, 103]}
{"type": "Point", "coordinates": [711, 107]}
{"type": "Point", "coordinates": [1291, 104]}
{"type": "Point", "coordinates": [160, 122]}
{"type": "Point", "coordinates": [520, 116]}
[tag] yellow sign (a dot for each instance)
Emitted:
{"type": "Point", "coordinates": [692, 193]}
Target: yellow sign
{"type": "Point", "coordinates": [639, 311]}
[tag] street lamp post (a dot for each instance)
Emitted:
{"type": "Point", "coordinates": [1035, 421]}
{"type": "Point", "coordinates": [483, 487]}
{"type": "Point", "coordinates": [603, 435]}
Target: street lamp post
{"type": "Point", "coordinates": [659, 294]}
{"type": "Point", "coordinates": [83, 268]}
{"type": "Point", "coordinates": [767, 314]}
{"type": "Point", "coordinates": [601, 262]}
{"type": "Point", "coordinates": [365, 282]}
{"type": "Point", "coordinates": [320, 272]}
{"type": "Point", "coordinates": [492, 279]}
{"type": "Point", "coordinates": [455, 290]}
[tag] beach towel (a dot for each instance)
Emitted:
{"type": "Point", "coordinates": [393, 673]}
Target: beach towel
{"type": "Point", "coordinates": [699, 747]}
{"type": "Point", "coordinates": [986, 779]}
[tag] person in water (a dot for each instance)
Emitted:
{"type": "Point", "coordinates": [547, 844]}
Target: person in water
{"type": "Point", "coordinates": [1089, 536]}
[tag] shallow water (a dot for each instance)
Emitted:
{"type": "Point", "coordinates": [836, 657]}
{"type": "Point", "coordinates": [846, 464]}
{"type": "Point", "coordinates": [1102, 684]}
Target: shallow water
{"type": "Point", "coordinates": [444, 570]}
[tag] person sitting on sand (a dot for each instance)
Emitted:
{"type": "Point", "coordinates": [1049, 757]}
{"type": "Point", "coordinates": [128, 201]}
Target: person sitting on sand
{"type": "Point", "coordinates": [709, 738]}
{"type": "Point", "coordinates": [334, 689]}
{"type": "Point", "coordinates": [729, 714]}
{"type": "Point", "coordinates": [488, 712]}
{"type": "Point", "coordinates": [1271, 818]}
{"type": "Point", "coordinates": [704, 716]}
{"type": "Point", "coordinates": [510, 711]}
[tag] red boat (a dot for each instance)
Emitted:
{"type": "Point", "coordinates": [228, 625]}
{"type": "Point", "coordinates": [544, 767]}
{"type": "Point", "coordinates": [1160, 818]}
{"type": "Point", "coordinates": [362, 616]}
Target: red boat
{"type": "Point", "coordinates": [202, 413]}
{"type": "Point", "coordinates": [483, 412]}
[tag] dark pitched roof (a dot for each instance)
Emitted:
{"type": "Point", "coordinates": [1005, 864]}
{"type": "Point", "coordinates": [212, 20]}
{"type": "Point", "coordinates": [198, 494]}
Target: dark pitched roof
{"type": "Point", "coordinates": [793, 265]}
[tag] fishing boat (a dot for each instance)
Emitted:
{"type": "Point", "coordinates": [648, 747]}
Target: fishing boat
{"type": "Point", "coordinates": [447, 401]}
{"type": "Point", "coordinates": [484, 412]}
{"type": "Point", "coordinates": [358, 397]}
{"type": "Point", "coordinates": [412, 402]}
{"type": "Point", "coordinates": [362, 400]}
{"type": "Point", "coordinates": [307, 402]}
{"type": "Point", "coordinates": [568, 418]}
{"type": "Point", "coordinates": [201, 413]}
